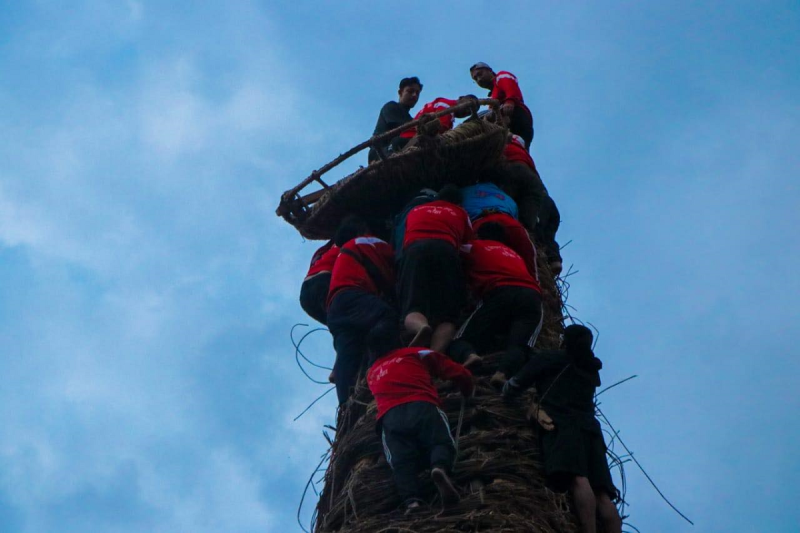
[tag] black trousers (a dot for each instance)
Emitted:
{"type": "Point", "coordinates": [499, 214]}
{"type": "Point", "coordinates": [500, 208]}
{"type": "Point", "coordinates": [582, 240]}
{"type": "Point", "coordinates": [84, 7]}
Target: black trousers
{"type": "Point", "coordinates": [549, 220]}
{"type": "Point", "coordinates": [351, 315]}
{"type": "Point", "coordinates": [416, 435]}
{"type": "Point", "coordinates": [431, 281]}
{"type": "Point", "coordinates": [508, 310]}
{"type": "Point", "coordinates": [525, 186]}
{"type": "Point", "coordinates": [313, 296]}
{"type": "Point", "coordinates": [522, 125]}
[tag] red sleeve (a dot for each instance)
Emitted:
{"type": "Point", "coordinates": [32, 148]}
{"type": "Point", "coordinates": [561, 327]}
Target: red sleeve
{"type": "Point", "coordinates": [507, 83]}
{"type": "Point", "coordinates": [443, 367]}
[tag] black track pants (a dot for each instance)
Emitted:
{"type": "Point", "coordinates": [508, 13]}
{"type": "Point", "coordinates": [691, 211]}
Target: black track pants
{"type": "Point", "coordinates": [508, 310]}
{"type": "Point", "coordinates": [352, 314]}
{"type": "Point", "coordinates": [416, 435]}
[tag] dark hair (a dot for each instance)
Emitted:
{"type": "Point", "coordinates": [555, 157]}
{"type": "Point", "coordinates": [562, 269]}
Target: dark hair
{"type": "Point", "coordinates": [577, 337]}
{"type": "Point", "coordinates": [492, 231]}
{"type": "Point", "coordinates": [450, 193]}
{"type": "Point", "coordinates": [350, 228]}
{"type": "Point", "coordinates": [405, 82]}
{"type": "Point", "coordinates": [382, 339]}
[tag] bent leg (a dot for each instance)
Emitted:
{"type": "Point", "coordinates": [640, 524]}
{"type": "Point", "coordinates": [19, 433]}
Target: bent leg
{"type": "Point", "coordinates": [524, 330]}
{"type": "Point", "coordinates": [585, 503]}
{"type": "Point", "coordinates": [401, 454]}
{"type": "Point", "coordinates": [612, 522]}
{"type": "Point", "coordinates": [442, 336]}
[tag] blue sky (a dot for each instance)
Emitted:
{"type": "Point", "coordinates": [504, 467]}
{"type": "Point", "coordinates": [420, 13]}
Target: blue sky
{"type": "Point", "coordinates": [147, 288]}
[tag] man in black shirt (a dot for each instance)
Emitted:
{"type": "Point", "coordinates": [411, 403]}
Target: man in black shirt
{"type": "Point", "coordinates": [573, 448]}
{"type": "Point", "coordinates": [395, 114]}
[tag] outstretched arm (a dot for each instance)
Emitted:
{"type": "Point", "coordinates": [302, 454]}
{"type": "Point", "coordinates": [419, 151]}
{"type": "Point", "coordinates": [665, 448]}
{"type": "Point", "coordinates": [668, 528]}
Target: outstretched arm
{"type": "Point", "coordinates": [443, 367]}
{"type": "Point", "coordinates": [539, 363]}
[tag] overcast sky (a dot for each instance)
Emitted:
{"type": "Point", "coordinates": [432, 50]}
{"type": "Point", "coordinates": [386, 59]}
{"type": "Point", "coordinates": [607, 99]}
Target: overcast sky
{"type": "Point", "coordinates": [147, 290]}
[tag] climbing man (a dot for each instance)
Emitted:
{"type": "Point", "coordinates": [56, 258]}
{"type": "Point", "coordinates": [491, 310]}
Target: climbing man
{"type": "Point", "coordinates": [485, 202]}
{"type": "Point", "coordinates": [573, 448]}
{"type": "Point", "coordinates": [518, 176]}
{"type": "Point", "coordinates": [394, 114]}
{"type": "Point", "coordinates": [314, 290]}
{"type": "Point", "coordinates": [503, 86]}
{"type": "Point", "coordinates": [362, 287]}
{"type": "Point", "coordinates": [412, 426]}
{"type": "Point", "coordinates": [510, 303]}
{"type": "Point", "coordinates": [431, 282]}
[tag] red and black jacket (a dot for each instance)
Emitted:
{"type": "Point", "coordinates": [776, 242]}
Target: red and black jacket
{"type": "Point", "coordinates": [490, 264]}
{"type": "Point", "coordinates": [405, 375]}
{"type": "Point", "coordinates": [365, 263]}
{"type": "Point", "coordinates": [438, 220]}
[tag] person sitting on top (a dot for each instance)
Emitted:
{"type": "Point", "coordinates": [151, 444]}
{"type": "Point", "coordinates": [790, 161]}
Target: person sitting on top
{"type": "Point", "coordinates": [431, 283]}
{"type": "Point", "coordinates": [510, 303]}
{"type": "Point", "coordinates": [409, 419]}
{"type": "Point", "coordinates": [314, 290]}
{"type": "Point", "coordinates": [503, 86]}
{"type": "Point", "coordinates": [446, 121]}
{"type": "Point", "coordinates": [362, 285]}
{"type": "Point", "coordinates": [573, 448]}
{"type": "Point", "coordinates": [394, 114]}
{"type": "Point", "coordinates": [487, 203]}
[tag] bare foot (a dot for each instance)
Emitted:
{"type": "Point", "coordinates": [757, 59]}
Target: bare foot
{"type": "Point", "coordinates": [498, 379]}
{"type": "Point", "coordinates": [422, 339]}
{"type": "Point", "coordinates": [473, 359]}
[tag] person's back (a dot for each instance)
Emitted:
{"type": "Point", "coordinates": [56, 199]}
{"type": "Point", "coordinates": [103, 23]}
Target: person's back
{"type": "Point", "coordinates": [440, 220]}
{"type": "Point", "coordinates": [350, 269]}
{"type": "Point", "coordinates": [491, 264]}
{"type": "Point", "coordinates": [316, 285]}
{"type": "Point", "coordinates": [405, 375]}
{"type": "Point", "coordinates": [487, 197]}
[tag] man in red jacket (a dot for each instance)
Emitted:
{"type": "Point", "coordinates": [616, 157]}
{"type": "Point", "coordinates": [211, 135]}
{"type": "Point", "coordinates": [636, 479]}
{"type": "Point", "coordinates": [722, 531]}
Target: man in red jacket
{"type": "Point", "coordinates": [410, 421]}
{"type": "Point", "coordinates": [314, 290]}
{"type": "Point", "coordinates": [510, 303]}
{"type": "Point", "coordinates": [503, 86]}
{"type": "Point", "coordinates": [431, 283]}
{"type": "Point", "coordinates": [362, 285]}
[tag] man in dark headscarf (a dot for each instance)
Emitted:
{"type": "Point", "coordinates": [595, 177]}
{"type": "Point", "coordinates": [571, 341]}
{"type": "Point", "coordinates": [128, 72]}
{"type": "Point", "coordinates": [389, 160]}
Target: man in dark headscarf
{"type": "Point", "coordinates": [572, 445]}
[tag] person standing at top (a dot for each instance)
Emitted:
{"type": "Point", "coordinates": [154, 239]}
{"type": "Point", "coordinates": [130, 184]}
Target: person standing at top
{"type": "Point", "coordinates": [503, 86]}
{"type": "Point", "coordinates": [394, 114]}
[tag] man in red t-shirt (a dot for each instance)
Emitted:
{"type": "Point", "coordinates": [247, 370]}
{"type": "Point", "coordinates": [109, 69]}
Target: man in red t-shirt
{"type": "Point", "coordinates": [314, 290]}
{"type": "Point", "coordinates": [410, 421]}
{"type": "Point", "coordinates": [503, 86]}
{"type": "Point", "coordinates": [510, 303]}
{"type": "Point", "coordinates": [362, 285]}
{"type": "Point", "coordinates": [431, 283]}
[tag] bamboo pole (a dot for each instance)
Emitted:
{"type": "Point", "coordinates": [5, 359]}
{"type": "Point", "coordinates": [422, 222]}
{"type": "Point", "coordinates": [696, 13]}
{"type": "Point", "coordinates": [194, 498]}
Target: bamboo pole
{"type": "Point", "coordinates": [315, 175]}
